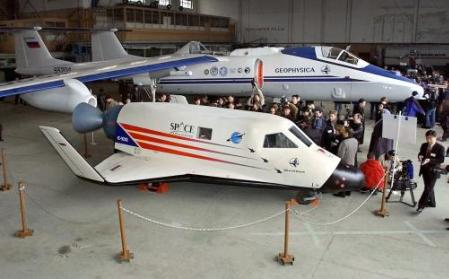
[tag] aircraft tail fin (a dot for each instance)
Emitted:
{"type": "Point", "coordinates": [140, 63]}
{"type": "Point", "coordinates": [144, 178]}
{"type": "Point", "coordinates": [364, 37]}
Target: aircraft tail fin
{"type": "Point", "coordinates": [31, 52]}
{"type": "Point", "coordinates": [71, 157]}
{"type": "Point", "coordinates": [106, 46]}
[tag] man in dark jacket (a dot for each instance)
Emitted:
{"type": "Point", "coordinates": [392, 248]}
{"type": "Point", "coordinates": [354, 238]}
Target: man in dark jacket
{"type": "Point", "coordinates": [329, 139]}
{"type": "Point", "coordinates": [431, 155]}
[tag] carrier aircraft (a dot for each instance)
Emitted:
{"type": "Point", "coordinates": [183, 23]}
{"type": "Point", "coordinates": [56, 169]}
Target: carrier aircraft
{"type": "Point", "coordinates": [314, 73]}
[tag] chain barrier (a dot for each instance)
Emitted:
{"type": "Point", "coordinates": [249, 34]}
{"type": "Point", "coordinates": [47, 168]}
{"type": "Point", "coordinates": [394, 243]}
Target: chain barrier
{"type": "Point", "coordinates": [179, 227]}
{"type": "Point", "coordinates": [298, 214]}
{"type": "Point", "coordinates": [15, 181]}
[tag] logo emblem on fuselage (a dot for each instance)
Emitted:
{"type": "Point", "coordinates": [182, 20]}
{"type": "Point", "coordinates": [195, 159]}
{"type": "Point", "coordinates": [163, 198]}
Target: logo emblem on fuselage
{"type": "Point", "coordinates": [325, 69]}
{"type": "Point", "coordinates": [236, 137]}
{"type": "Point", "coordinates": [294, 162]}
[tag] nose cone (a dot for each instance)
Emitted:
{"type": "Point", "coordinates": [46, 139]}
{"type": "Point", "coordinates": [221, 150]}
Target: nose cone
{"type": "Point", "coordinates": [344, 178]}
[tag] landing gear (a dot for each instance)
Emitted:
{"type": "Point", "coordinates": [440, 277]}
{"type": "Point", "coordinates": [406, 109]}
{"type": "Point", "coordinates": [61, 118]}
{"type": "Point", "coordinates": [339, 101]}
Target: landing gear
{"type": "Point", "coordinates": [306, 197]}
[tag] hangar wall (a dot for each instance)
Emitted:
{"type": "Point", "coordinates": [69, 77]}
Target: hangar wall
{"type": "Point", "coordinates": [336, 21]}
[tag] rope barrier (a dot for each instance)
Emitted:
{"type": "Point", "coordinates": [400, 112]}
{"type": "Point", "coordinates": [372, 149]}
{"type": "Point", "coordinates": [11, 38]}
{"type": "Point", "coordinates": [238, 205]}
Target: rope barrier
{"type": "Point", "coordinates": [179, 227]}
{"type": "Point", "coordinates": [297, 214]}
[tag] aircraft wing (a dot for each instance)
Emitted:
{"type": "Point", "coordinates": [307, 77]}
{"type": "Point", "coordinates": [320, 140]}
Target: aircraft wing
{"type": "Point", "coordinates": [122, 168]}
{"type": "Point", "coordinates": [146, 65]}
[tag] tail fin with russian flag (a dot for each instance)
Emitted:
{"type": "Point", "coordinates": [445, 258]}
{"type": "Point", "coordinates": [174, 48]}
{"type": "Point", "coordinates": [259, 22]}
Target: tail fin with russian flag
{"type": "Point", "coordinates": [31, 53]}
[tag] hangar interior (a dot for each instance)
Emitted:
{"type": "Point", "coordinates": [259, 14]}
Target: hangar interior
{"type": "Point", "coordinates": [185, 173]}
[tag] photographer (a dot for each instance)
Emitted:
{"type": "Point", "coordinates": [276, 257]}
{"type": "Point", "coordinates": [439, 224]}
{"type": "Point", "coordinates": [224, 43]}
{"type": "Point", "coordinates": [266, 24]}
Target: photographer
{"type": "Point", "coordinates": [431, 155]}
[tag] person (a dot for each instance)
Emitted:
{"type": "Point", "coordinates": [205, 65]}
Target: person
{"type": "Point", "coordinates": [378, 144]}
{"type": "Point", "coordinates": [257, 97]}
{"type": "Point", "coordinates": [359, 107]}
{"type": "Point", "coordinates": [381, 109]}
{"type": "Point", "coordinates": [1, 132]}
{"type": "Point", "coordinates": [431, 155]}
{"type": "Point", "coordinates": [329, 140]}
{"type": "Point", "coordinates": [296, 100]}
{"type": "Point", "coordinates": [412, 107]}
{"type": "Point", "coordinates": [110, 102]}
{"type": "Point", "coordinates": [197, 101]}
{"type": "Point", "coordinates": [444, 118]}
{"type": "Point", "coordinates": [318, 125]}
{"type": "Point", "coordinates": [374, 173]}
{"type": "Point", "coordinates": [357, 128]}
{"type": "Point", "coordinates": [431, 105]}
{"type": "Point", "coordinates": [273, 109]}
{"type": "Point", "coordinates": [286, 112]}
{"type": "Point", "coordinates": [347, 151]}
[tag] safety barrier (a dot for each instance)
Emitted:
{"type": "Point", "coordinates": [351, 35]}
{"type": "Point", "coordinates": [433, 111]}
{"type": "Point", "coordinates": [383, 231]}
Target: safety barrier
{"type": "Point", "coordinates": [25, 231]}
{"type": "Point", "coordinates": [5, 186]}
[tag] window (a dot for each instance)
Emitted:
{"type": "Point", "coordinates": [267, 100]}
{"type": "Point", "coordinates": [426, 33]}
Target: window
{"type": "Point", "coordinates": [186, 4]}
{"type": "Point", "coordinates": [300, 135]}
{"type": "Point", "coordinates": [347, 58]}
{"type": "Point", "coordinates": [278, 140]}
{"type": "Point", "coordinates": [330, 52]}
{"type": "Point", "coordinates": [204, 133]}
{"type": "Point", "coordinates": [164, 2]}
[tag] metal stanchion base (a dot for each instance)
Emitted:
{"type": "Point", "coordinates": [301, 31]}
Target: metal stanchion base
{"type": "Point", "coordinates": [5, 187]}
{"type": "Point", "coordinates": [285, 259]}
{"type": "Point", "coordinates": [24, 233]}
{"type": "Point", "coordinates": [381, 213]}
{"type": "Point", "coordinates": [125, 257]}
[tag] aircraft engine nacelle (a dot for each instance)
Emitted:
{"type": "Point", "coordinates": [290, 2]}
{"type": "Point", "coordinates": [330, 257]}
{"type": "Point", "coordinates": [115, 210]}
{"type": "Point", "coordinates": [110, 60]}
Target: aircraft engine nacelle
{"type": "Point", "coordinates": [61, 99]}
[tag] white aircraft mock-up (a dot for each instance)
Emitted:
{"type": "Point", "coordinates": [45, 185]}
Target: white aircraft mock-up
{"type": "Point", "coordinates": [314, 73]}
{"type": "Point", "coordinates": [61, 83]}
{"type": "Point", "coordinates": [175, 142]}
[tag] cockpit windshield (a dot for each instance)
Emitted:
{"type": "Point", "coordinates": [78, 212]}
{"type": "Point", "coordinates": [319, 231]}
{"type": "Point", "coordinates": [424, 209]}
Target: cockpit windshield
{"type": "Point", "coordinates": [339, 54]}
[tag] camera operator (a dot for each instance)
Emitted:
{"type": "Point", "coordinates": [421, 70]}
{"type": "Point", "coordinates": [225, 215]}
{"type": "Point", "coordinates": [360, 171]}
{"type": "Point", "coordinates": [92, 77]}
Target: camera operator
{"type": "Point", "coordinates": [431, 155]}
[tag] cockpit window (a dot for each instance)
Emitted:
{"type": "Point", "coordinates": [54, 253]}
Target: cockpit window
{"type": "Point", "coordinates": [339, 54]}
{"type": "Point", "coordinates": [300, 135]}
{"type": "Point", "coordinates": [348, 58]}
{"type": "Point", "coordinates": [330, 52]}
{"type": "Point", "coordinates": [278, 140]}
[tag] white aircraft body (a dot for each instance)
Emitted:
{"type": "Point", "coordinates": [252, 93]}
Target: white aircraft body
{"type": "Point", "coordinates": [61, 83]}
{"type": "Point", "coordinates": [314, 73]}
{"type": "Point", "coordinates": [172, 142]}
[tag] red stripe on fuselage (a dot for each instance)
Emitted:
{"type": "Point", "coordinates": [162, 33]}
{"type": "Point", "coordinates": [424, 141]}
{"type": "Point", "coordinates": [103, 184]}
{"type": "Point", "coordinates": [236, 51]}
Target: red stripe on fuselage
{"type": "Point", "coordinates": [187, 154]}
{"type": "Point", "coordinates": [158, 140]}
{"type": "Point", "coordinates": [177, 152]}
{"type": "Point", "coordinates": [157, 133]}
{"type": "Point", "coordinates": [161, 141]}
{"type": "Point", "coordinates": [132, 128]}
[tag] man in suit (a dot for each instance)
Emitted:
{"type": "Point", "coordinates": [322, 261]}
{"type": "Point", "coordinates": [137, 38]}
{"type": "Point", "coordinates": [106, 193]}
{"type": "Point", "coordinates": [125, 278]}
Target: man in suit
{"type": "Point", "coordinates": [431, 155]}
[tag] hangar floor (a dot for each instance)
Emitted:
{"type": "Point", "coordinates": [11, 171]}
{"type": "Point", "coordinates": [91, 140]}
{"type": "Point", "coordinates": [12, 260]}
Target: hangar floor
{"type": "Point", "coordinates": [76, 229]}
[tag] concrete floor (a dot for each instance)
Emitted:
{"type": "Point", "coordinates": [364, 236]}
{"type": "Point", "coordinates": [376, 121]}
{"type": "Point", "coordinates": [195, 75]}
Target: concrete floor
{"type": "Point", "coordinates": [76, 228]}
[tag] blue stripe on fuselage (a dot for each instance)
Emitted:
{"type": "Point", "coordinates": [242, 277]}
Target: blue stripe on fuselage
{"type": "Point", "coordinates": [266, 79]}
{"type": "Point", "coordinates": [309, 53]}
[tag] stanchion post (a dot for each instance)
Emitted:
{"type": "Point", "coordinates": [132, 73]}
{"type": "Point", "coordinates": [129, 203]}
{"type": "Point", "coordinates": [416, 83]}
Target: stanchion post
{"type": "Point", "coordinates": [5, 186]}
{"type": "Point", "coordinates": [283, 257]}
{"type": "Point", "coordinates": [125, 255]}
{"type": "Point", "coordinates": [383, 212]}
{"type": "Point", "coordinates": [25, 230]}
{"type": "Point", "coordinates": [86, 150]}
